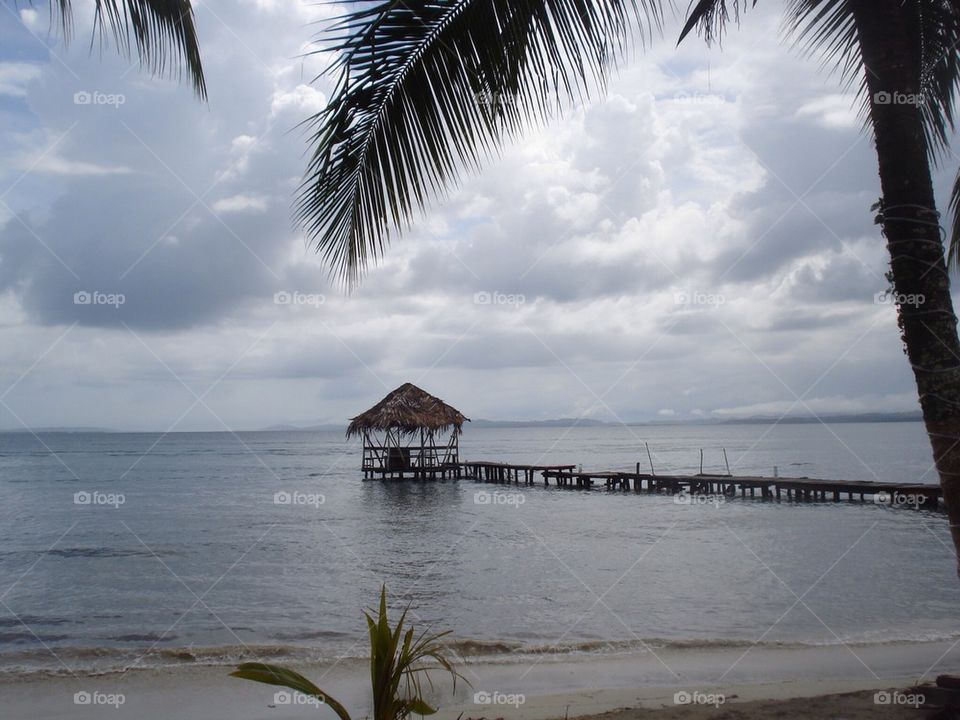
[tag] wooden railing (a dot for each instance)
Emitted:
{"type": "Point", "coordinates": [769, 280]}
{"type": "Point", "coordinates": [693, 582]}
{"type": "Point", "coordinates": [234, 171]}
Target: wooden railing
{"type": "Point", "coordinates": [405, 457]}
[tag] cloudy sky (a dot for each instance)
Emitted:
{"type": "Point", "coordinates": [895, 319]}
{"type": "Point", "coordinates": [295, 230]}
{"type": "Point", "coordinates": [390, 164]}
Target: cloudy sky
{"type": "Point", "coordinates": [696, 244]}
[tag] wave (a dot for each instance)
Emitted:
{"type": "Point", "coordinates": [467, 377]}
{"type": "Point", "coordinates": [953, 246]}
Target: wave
{"type": "Point", "coordinates": [104, 552]}
{"type": "Point", "coordinates": [22, 620]}
{"type": "Point", "coordinates": [487, 650]}
{"type": "Point", "coordinates": [109, 660]}
{"type": "Point", "coordinates": [30, 636]}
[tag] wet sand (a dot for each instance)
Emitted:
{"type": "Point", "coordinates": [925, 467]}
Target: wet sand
{"type": "Point", "coordinates": [827, 682]}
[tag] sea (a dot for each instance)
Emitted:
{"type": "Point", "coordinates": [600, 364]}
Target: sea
{"type": "Point", "coordinates": [139, 550]}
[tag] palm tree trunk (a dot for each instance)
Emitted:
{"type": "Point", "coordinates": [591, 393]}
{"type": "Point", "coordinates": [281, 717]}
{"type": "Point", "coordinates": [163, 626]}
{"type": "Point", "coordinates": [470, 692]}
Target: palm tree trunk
{"type": "Point", "coordinates": [910, 223]}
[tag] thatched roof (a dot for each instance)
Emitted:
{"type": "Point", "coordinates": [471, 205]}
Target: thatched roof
{"type": "Point", "coordinates": [408, 409]}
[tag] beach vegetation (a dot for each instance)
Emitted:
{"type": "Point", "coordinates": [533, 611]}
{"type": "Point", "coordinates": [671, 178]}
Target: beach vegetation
{"type": "Point", "coordinates": [400, 665]}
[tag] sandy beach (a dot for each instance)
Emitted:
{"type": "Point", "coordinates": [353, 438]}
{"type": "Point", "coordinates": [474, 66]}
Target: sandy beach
{"type": "Point", "coordinates": [846, 705]}
{"type": "Point", "coordinates": [206, 694]}
{"type": "Point", "coordinates": [792, 683]}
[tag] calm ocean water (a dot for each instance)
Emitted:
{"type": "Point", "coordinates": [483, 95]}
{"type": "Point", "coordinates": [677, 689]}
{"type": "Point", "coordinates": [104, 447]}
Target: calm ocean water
{"type": "Point", "coordinates": [120, 549]}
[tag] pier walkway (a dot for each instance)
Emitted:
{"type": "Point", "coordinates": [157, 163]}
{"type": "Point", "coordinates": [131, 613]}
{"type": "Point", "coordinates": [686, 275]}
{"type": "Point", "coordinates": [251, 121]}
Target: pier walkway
{"type": "Point", "coordinates": [696, 488]}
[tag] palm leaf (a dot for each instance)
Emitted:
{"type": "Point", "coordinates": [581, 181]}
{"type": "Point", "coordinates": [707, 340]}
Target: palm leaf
{"type": "Point", "coordinates": [934, 26]}
{"type": "Point", "coordinates": [953, 252]}
{"type": "Point", "coordinates": [827, 27]}
{"type": "Point", "coordinates": [162, 31]}
{"type": "Point", "coordinates": [395, 658]}
{"type": "Point", "coordinates": [398, 657]}
{"type": "Point", "coordinates": [284, 677]}
{"type": "Point", "coordinates": [710, 17]}
{"type": "Point", "coordinates": [428, 89]}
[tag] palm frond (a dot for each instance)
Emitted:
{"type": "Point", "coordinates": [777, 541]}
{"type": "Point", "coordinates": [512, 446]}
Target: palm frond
{"type": "Point", "coordinates": [710, 17]}
{"type": "Point", "coordinates": [396, 659]}
{"type": "Point", "coordinates": [940, 60]}
{"type": "Point", "coordinates": [429, 89]}
{"type": "Point", "coordinates": [934, 28]}
{"type": "Point", "coordinates": [827, 27]}
{"type": "Point", "coordinates": [163, 32]}
{"type": "Point", "coordinates": [937, 24]}
{"type": "Point", "coordinates": [953, 243]}
{"type": "Point", "coordinates": [284, 677]}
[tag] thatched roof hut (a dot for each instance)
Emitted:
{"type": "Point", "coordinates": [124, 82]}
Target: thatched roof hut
{"type": "Point", "coordinates": [407, 410]}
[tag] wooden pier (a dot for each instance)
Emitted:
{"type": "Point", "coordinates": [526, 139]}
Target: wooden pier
{"type": "Point", "coordinates": [505, 472]}
{"type": "Point", "coordinates": [482, 471]}
{"type": "Point", "coordinates": [689, 488]}
{"type": "Point", "coordinates": [402, 471]}
{"type": "Point", "coordinates": [774, 488]}
{"type": "Point", "coordinates": [403, 438]}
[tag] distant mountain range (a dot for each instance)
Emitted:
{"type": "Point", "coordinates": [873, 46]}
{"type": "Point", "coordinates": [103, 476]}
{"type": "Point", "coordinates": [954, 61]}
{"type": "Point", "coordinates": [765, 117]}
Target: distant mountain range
{"type": "Point", "coordinates": [480, 423]}
{"type": "Point", "coordinates": [558, 422]}
{"type": "Point", "coordinates": [38, 430]}
{"type": "Point", "coordinates": [563, 423]}
{"type": "Point", "coordinates": [590, 422]}
{"type": "Point", "coordinates": [752, 420]}
{"type": "Point", "coordinates": [914, 416]}
{"type": "Point", "coordinates": [322, 427]}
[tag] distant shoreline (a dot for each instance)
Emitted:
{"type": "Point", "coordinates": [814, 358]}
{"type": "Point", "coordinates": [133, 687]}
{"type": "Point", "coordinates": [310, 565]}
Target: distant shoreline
{"type": "Point", "coordinates": [865, 418]}
{"type": "Point", "coordinates": [757, 420]}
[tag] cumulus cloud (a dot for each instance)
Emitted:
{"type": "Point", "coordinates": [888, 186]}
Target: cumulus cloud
{"type": "Point", "coordinates": [14, 77]}
{"type": "Point", "coordinates": [240, 203]}
{"type": "Point", "coordinates": [696, 245]}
